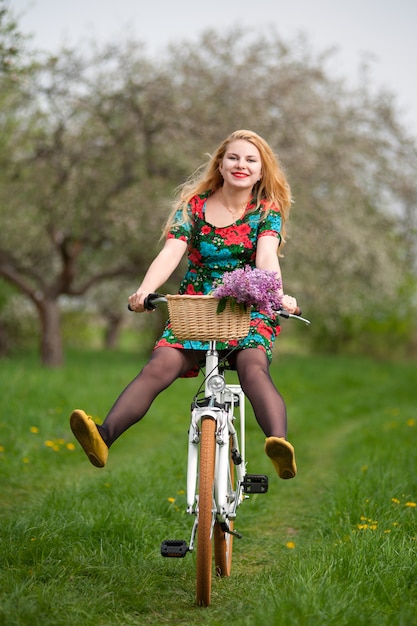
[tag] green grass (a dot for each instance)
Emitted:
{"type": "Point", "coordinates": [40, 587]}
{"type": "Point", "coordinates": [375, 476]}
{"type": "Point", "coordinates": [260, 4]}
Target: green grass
{"type": "Point", "coordinates": [336, 546]}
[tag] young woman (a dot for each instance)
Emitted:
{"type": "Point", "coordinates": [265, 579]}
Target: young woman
{"type": "Point", "coordinates": [230, 216]}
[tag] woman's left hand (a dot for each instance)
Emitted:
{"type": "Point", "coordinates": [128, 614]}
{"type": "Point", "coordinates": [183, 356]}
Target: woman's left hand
{"type": "Point", "coordinates": [289, 303]}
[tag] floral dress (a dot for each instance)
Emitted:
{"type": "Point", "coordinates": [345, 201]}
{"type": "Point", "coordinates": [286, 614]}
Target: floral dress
{"type": "Point", "coordinates": [214, 250]}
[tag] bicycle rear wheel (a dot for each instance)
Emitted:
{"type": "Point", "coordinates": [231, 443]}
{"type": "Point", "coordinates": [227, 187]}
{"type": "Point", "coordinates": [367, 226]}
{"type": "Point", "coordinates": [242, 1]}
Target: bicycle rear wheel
{"type": "Point", "coordinates": [223, 541]}
{"type": "Point", "coordinates": [205, 510]}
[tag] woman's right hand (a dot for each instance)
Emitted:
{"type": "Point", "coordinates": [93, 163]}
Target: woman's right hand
{"type": "Point", "coordinates": [136, 301]}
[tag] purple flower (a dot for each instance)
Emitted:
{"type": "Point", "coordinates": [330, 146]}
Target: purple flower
{"type": "Point", "coordinates": [250, 287]}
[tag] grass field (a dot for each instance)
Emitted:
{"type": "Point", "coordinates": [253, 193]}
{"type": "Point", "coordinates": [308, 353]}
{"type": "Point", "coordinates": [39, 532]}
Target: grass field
{"type": "Point", "coordinates": [337, 545]}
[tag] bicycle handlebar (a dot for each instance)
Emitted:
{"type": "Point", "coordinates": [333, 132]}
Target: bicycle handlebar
{"type": "Point", "coordinates": [153, 299]}
{"type": "Point", "coordinates": [297, 315]}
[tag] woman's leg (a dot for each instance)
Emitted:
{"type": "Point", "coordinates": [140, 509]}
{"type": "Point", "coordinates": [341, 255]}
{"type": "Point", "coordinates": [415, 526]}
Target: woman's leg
{"type": "Point", "coordinates": [164, 366]}
{"type": "Point", "coordinates": [269, 408]}
{"type": "Point", "coordinates": [268, 405]}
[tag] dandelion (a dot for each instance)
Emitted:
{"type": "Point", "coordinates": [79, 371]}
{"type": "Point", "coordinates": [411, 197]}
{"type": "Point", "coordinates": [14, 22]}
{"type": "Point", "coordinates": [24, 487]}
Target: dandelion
{"type": "Point", "coordinates": [181, 492]}
{"type": "Point", "coordinates": [290, 545]}
{"type": "Point", "coordinates": [25, 459]}
{"type": "Point", "coordinates": [52, 444]}
{"type": "Point", "coordinates": [411, 422]}
{"type": "Point", "coordinates": [2, 448]}
{"type": "Point", "coordinates": [171, 500]}
{"type": "Point", "coordinates": [34, 429]}
{"type": "Point", "coordinates": [395, 500]}
{"type": "Point", "coordinates": [367, 523]}
{"type": "Point", "coordinates": [410, 504]}
{"type": "Point", "coordinates": [364, 468]}
{"type": "Point", "coordinates": [70, 446]}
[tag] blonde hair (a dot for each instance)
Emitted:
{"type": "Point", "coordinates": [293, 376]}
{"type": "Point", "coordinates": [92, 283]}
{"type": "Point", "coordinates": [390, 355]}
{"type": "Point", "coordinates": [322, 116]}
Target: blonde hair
{"type": "Point", "coordinates": [271, 190]}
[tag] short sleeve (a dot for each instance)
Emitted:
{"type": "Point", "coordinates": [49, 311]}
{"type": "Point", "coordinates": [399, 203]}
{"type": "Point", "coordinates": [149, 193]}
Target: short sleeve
{"type": "Point", "coordinates": [180, 229]}
{"type": "Point", "coordinates": [271, 224]}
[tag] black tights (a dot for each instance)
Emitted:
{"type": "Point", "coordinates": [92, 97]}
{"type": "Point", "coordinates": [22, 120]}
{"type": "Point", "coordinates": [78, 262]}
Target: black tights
{"type": "Point", "coordinates": [268, 405]}
{"type": "Point", "coordinates": [168, 364]}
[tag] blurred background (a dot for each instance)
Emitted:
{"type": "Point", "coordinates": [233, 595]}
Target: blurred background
{"type": "Point", "coordinates": [106, 107]}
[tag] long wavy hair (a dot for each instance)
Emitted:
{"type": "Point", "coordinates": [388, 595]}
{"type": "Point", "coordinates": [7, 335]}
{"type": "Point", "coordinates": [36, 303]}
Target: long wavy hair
{"type": "Point", "coordinates": [271, 191]}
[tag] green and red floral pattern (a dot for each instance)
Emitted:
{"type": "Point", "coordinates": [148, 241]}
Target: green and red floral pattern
{"type": "Point", "coordinates": [212, 251]}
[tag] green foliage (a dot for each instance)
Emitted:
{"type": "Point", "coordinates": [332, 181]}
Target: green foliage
{"type": "Point", "coordinates": [380, 327]}
{"type": "Point", "coordinates": [334, 547]}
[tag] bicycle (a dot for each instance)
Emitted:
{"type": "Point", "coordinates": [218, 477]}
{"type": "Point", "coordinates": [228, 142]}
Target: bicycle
{"type": "Point", "coordinates": [217, 481]}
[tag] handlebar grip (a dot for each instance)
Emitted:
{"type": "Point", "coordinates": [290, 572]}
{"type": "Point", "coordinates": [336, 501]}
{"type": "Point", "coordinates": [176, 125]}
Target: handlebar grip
{"type": "Point", "coordinates": [147, 303]}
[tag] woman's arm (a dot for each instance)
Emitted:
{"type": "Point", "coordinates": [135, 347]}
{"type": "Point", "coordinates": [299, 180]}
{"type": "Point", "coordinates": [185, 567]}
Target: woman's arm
{"type": "Point", "coordinates": [266, 254]}
{"type": "Point", "coordinates": [158, 272]}
{"type": "Point", "coordinates": [267, 259]}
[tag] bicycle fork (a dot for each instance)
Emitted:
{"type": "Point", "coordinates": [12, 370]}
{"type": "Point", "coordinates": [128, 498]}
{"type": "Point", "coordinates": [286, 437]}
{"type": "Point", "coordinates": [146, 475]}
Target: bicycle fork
{"type": "Point", "coordinates": [221, 495]}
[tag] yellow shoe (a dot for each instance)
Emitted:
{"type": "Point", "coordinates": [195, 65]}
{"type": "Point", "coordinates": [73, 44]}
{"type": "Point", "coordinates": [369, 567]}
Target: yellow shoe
{"type": "Point", "coordinates": [281, 453]}
{"type": "Point", "coordinates": [86, 432]}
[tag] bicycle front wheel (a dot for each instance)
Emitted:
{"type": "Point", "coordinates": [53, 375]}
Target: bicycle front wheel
{"type": "Point", "coordinates": [205, 510]}
{"type": "Point", "coordinates": [223, 541]}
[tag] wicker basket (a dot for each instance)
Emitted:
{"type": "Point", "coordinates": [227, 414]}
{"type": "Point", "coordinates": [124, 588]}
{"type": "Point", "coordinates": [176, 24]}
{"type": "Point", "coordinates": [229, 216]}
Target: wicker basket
{"type": "Point", "coordinates": [196, 318]}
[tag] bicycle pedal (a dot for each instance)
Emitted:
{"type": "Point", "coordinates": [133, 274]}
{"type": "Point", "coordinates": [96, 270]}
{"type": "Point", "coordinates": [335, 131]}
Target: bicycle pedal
{"type": "Point", "coordinates": [255, 483]}
{"type": "Point", "coordinates": [174, 548]}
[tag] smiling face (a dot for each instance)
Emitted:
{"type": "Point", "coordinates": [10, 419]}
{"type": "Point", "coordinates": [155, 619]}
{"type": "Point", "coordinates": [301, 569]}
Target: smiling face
{"type": "Point", "coordinates": [241, 166]}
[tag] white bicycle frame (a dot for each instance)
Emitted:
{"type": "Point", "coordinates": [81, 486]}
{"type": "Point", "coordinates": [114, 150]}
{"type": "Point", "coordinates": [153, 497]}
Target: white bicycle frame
{"type": "Point", "coordinates": [220, 403]}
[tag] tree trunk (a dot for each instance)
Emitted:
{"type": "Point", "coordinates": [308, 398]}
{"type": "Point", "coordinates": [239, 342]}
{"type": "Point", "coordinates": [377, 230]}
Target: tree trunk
{"type": "Point", "coordinates": [113, 328]}
{"type": "Point", "coordinates": [52, 353]}
{"type": "Point", "coordinates": [4, 342]}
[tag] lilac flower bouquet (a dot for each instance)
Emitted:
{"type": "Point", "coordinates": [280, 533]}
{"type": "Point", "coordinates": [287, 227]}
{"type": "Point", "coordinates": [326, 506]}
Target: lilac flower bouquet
{"type": "Point", "coordinates": [249, 287]}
